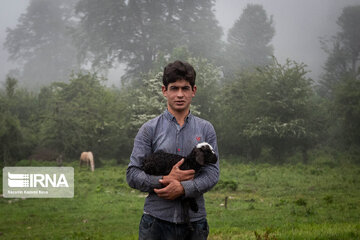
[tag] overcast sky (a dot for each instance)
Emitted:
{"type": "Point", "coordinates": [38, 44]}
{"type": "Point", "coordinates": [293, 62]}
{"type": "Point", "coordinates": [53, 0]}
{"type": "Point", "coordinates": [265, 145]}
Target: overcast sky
{"type": "Point", "coordinates": [298, 25]}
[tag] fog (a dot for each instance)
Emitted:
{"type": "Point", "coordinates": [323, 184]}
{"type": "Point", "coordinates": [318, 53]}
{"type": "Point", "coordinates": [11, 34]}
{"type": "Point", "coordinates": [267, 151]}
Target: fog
{"type": "Point", "coordinates": [298, 26]}
{"type": "Point", "coordinates": [9, 14]}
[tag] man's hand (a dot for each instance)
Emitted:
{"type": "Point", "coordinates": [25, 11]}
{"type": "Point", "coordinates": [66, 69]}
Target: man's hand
{"type": "Point", "coordinates": [173, 189]}
{"type": "Point", "coordinates": [178, 174]}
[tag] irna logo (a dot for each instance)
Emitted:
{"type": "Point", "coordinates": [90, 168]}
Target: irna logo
{"type": "Point", "coordinates": [38, 182]}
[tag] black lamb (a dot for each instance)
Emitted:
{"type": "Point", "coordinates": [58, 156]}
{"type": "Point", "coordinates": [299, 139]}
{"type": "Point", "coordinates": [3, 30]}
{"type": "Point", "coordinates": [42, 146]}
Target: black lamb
{"type": "Point", "coordinates": [160, 164]}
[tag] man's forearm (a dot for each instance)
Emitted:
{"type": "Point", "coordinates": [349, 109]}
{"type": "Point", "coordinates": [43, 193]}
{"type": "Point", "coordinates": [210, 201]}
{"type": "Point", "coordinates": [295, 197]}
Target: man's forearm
{"type": "Point", "coordinates": [202, 183]}
{"type": "Point", "coordinates": [138, 179]}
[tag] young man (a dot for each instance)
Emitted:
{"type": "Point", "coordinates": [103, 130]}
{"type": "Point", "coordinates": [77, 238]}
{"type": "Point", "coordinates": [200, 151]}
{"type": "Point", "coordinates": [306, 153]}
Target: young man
{"type": "Point", "coordinates": [175, 131]}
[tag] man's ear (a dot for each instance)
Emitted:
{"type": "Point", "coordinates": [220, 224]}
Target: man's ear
{"type": "Point", "coordinates": [194, 90]}
{"type": "Point", "coordinates": [164, 90]}
{"type": "Point", "coordinates": [199, 156]}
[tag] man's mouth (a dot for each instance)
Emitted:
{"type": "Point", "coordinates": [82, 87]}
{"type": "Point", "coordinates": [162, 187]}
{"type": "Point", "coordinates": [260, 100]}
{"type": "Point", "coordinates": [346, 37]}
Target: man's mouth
{"type": "Point", "coordinates": [179, 102]}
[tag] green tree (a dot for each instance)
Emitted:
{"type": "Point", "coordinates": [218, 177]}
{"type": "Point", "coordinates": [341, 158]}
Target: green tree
{"type": "Point", "coordinates": [344, 54]}
{"type": "Point", "coordinates": [249, 41]}
{"type": "Point", "coordinates": [350, 34]}
{"type": "Point", "coordinates": [339, 83]}
{"type": "Point", "coordinates": [135, 32]}
{"type": "Point", "coordinates": [81, 116]}
{"type": "Point", "coordinates": [199, 29]}
{"type": "Point", "coordinates": [17, 128]}
{"type": "Point", "coordinates": [10, 139]}
{"type": "Point", "coordinates": [347, 110]}
{"type": "Point", "coordinates": [41, 43]}
{"type": "Point", "coordinates": [270, 108]}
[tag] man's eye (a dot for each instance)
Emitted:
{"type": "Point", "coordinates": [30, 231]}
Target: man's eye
{"type": "Point", "coordinates": [182, 88]}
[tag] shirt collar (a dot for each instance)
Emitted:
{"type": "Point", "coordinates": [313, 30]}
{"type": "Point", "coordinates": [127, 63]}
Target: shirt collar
{"type": "Point", "coordinates": [171, 117]}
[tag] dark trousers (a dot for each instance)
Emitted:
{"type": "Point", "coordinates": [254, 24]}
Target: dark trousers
{"type": "Point", "coordinates": [155, 229]}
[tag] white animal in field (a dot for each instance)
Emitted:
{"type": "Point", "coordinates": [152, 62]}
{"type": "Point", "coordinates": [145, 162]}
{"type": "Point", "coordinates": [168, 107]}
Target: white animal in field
{"type": "Point", "coordinates": [88, 158]}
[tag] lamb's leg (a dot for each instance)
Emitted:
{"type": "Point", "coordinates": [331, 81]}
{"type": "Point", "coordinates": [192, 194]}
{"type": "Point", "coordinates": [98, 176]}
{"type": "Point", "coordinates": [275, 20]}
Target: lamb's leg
{"type": "Point", "coordinates": [186, 208]}
{"type": "Point", "coordinates": [193, 204]}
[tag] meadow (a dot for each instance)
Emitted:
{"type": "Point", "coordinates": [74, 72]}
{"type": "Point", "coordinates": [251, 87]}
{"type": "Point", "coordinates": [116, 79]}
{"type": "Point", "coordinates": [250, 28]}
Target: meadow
{"type": "Point", "coordinates": [320, 200]}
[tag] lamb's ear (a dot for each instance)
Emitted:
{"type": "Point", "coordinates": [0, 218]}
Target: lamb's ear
{"type": "Point", "coordinates": [199, 157]}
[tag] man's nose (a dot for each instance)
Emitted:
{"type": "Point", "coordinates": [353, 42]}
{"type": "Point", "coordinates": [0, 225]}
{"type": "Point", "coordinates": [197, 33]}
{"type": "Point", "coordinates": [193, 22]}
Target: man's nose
{"type": "Point", "coordinates": [180, 93]}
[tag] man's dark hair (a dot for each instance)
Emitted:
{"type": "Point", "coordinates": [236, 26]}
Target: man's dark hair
{"type": "Point", "coordinates": [178, 71]}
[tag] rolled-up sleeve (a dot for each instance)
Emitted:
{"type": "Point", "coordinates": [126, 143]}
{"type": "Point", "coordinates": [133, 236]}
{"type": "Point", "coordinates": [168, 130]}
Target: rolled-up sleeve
{"type": "Point", "coordinates": [209, 174]}
{"type": "Point", "coordinates": [135, 176]}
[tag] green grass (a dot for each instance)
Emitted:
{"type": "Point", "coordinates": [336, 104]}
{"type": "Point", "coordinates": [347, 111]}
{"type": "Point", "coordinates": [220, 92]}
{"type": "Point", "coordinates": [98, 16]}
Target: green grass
{"type": "Point", "coordinates": [316, 201]}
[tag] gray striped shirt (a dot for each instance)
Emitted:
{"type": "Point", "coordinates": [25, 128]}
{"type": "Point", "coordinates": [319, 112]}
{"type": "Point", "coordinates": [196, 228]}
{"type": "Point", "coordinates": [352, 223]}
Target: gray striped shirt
{"type": "Point", "coordinates": [164, 133]}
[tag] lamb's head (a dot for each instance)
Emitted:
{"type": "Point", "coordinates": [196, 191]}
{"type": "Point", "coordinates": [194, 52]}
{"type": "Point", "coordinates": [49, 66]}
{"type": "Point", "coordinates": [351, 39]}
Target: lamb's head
{"type": "Point", "coordinates": [205, 154]}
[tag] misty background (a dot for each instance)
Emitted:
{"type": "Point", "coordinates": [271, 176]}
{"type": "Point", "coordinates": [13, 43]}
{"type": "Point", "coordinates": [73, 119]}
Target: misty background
{"type": "Point", "coordinates": [299, 25]}
{"type": "Point", "coordinates": [284, 74]}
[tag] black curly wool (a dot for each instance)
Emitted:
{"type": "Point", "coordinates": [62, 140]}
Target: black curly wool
{"type": "Point", "coordinates": [160, 164]}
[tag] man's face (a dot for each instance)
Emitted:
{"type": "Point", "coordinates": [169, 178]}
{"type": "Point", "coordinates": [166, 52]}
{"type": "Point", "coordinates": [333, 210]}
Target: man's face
{"type": "Point", "coordinates": [179, 95]}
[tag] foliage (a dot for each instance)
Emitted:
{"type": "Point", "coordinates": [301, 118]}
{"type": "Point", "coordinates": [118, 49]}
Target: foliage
{"type": "Point", "coordinates": [195, 17]}
{"type": "Point", "coordinates": [249, 41]}
{"type": "Point", "coordinates": [135, 32]}
{"type": "Point", "coordinates": [10, 139]}
{"type": "Point", "coordinates": [41, 40]}
{"type": "Point", "coordinates": [340, 81]}
{"type": "Point", "coordinates": [17, 128]}
{"type": "Point", "coordinates": [350, 34]}
{"type": "Point", "coordinates": [336, 66]}
{"type": "Point", "coordinates": [81, 116]}
{"type": "Point", "coordinates": [261, 110]}
{"type": "Point", "coordinates": [271, 107]}
{"type": "Point", "coordinates": [347, 107]}
{"type": "Point", "coordinates": [344, 56]}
